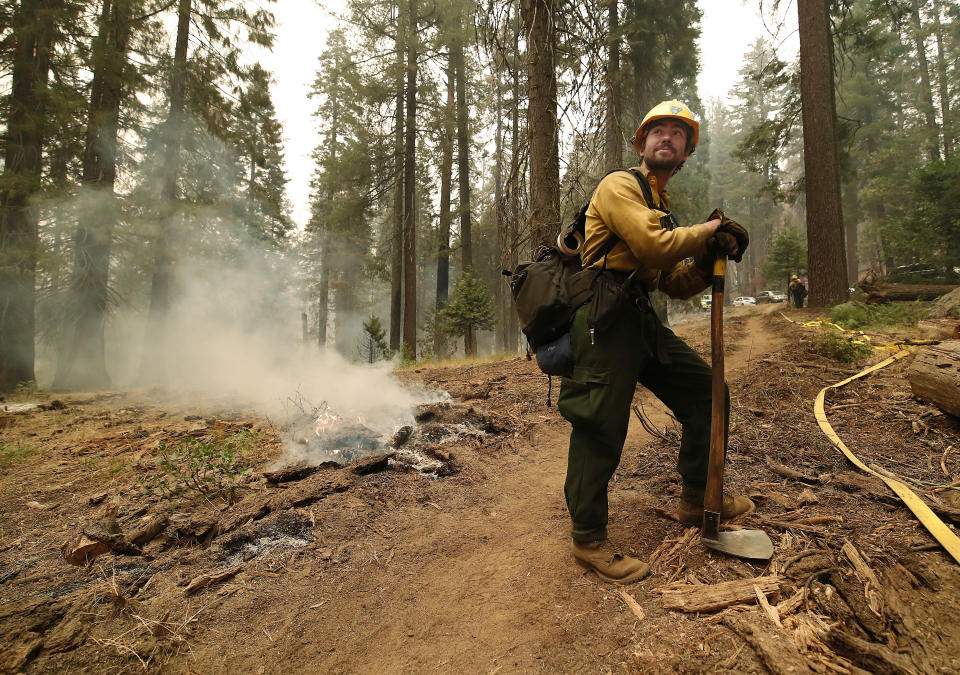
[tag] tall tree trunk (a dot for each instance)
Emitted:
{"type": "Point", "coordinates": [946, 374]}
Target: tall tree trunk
{"type": "Point", "coordinates": [396, 235]}
{"type": "Point", "coordinates": [613, 143]}
{"type": "Point", "coordinates": [463, 172]}
{"type": "Point", "coordinates": [502, 296]}
{"type": "Point", "coordinates": [826, 260]}
{"type": "Point", "coordinates": [463, 151]}
{"type": "Point", "coordinates": [513, 233]}
{"type": "Point", "coordinates": [82, 358]}
{"type": "Point", "coordinates": [926, 93]}
{"type": "Point", "coordinates": [323, 293]}
{"type": "Point", "coordinates": [446, 182]}
{"type": "Point", "coordinates": [32, 38]}
{"type": "Point", "coordinates": [154, 365]}
{"type": "Point", "coordinates": [943, 84]}
{"type": "Point", "coordinates": [409, 191]}
{"type": "Point", "coordinates": [538, 26]}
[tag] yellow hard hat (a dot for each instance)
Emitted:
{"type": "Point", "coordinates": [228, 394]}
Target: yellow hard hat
{"type": "Point", "coordinates": [674, 109]}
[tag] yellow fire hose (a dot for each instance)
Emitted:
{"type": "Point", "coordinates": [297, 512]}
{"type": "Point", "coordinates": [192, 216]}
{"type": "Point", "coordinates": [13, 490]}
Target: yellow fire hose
{"type": "Point", "coordinates": [934, 525]}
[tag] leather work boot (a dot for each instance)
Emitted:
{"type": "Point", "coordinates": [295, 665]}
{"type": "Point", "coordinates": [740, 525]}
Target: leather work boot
{"type": "Point", "coordinates": [733, 506]}
{"type": "Point", "coordinates": [602, 558]}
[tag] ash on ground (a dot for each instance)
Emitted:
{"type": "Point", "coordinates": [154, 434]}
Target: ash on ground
{"type": "Point", "coordinates": [324, 437]}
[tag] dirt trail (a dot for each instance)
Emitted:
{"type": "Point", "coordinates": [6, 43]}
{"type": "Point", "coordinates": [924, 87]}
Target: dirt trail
{"type": "Point", "coordinates": [348, 571]}
{"type": "Point", "coordinates": [477, 577]}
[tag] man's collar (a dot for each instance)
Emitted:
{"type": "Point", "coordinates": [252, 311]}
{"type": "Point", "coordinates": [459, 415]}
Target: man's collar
{"type": "Point", "coordinates": [652, 180]}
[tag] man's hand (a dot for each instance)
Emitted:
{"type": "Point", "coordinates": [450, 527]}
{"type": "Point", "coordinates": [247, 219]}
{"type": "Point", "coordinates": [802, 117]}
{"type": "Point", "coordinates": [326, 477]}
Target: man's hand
{"type": "Point", "coordinates": [730, 228]}
{"type": "Point", "coordinates": [720, 245]}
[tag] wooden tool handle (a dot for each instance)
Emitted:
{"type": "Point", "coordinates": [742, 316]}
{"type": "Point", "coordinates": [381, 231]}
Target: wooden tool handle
{"type": "Point", "coordinates": [713, 498]}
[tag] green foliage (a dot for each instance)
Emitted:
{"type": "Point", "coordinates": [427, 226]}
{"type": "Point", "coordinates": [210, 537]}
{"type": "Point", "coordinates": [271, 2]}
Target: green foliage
{"type": "Point", "coordinates": [839, 347]}
{"type": "Point", "coordinates": [471, 306]}
{"type": "Point", "coordinates": [788, 255]}
{"type": "Point", "coordinates": [373, 344]}
{"type": "Point", "coordinates": [14, 453]}
{"type": "Point", "coordinates": [859, 316]}
{"type": "Point", "coordinates": [208, 469]}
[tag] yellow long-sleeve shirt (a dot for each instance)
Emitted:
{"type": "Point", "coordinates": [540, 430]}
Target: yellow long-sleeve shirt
{"type": "Point", "coordinates": [618, 207]}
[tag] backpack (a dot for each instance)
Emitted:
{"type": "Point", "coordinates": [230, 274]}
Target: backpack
{"type": "Point", "coordinates": [548, 290]}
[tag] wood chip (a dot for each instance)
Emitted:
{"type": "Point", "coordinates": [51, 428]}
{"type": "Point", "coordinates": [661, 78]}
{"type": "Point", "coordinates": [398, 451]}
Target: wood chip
{"type": "Point", "coordinates": [709, 598]}
{"type": "Point", "coordinates": [205, 580]}
{"type": "Point", "coordinates": [770, 610]}
{"type": "Point", "coordinates": [860, 565]}
{"type": "Point", "coordinates": [633, 605]}
{"type": "Point", "coordinates": [83, 549]}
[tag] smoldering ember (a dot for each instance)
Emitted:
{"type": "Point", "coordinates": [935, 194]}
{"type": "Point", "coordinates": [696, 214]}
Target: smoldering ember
{"type": "Point", "coordinates": [498, 337]}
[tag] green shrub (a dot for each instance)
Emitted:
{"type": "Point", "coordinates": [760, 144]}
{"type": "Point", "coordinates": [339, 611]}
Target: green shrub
{"type": "Point", "coordinates": [858, 316]}
{"type": "Point", "coordinates": [194, 467]}
{"type": "Point", "coordinates": [839, 347]}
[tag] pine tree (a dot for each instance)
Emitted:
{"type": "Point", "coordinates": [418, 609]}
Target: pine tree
{"type": "Point", "coordinates": [470, 309]}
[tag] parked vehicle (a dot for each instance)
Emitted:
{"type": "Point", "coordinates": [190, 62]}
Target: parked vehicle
{"type": "Point", "coordinates": [771, 296]}
{"type": "Point", "coordinates": [779, 296]}
{"type": "Point", "coordinates": [706, 301]}
{"type": "Point", "coordinates": [744, 301]}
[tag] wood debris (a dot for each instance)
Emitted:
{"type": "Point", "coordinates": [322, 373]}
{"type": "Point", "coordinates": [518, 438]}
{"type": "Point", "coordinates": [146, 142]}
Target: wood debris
{"type": "Point", "coordinates": [632, 605]}
{"type": "Point", "coordinates": [711, 597]}
{"type": "Point", "coordinates": [205, 580]}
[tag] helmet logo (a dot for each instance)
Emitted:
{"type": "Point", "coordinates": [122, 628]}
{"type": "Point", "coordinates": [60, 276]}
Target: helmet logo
{"type": "Point", "coordinates": [676, 110]}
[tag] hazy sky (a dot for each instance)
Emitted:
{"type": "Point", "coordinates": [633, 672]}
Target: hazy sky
{"type": "Point", "coordinates": [729, 28]}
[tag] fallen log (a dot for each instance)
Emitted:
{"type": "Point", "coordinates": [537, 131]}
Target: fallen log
{"type": "Point", "coordinates": [711, 597]}
{"type": "Point", "coordinates": [881, 293]}
{"type": "Point", "coordinates": [935, 376]}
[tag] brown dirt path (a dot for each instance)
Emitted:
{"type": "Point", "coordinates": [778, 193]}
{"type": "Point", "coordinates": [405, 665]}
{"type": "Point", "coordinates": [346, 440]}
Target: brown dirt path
{"type": "Point", "coordinates": [475, 576]}
{"type": "Point", "coordinates": [471, 572]}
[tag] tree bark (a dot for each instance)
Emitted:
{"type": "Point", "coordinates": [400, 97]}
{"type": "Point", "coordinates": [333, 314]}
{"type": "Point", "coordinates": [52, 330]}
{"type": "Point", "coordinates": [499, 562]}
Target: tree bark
{"type": "Point", "coordinates": [153, 366]}
{"type": "Point", "coordinates": [943, 84]}
{"type": "Point", "coordinates": [82, 359]}
{"type": "Point", "coordinates": [323, 293]}
{"type": "Point", "coordinates": [826, 258]}
{"type": "Point", "coordinates": [926, 93]}
{"type": "Point", "coordinates": [396, 248]}
{"type": "Point", "coordinates": [512, 331]}
{"type": "Point", "coordinates": [538, 25]}
{"type": "Point", "coordinates": [463, 152]}
{"type": "Point", "coordinates": [32, 37]}
{"type": "Point", "coordinates": [613, 143]}
{"type": "Point", "coordinates": [446, 183]}
{"type": "Point", "coordinates": [409, 191]}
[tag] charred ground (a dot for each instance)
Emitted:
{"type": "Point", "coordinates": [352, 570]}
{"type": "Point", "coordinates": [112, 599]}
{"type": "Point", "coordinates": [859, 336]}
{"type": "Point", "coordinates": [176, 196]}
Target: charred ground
{"type": "Point", "coordinates": [382, 567]}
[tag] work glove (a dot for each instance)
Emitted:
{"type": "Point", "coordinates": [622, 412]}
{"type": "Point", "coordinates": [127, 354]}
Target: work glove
{"type": "Point", "coordinates": [720, 245]}
{"type": "Point", "coordinates": [731, 228]}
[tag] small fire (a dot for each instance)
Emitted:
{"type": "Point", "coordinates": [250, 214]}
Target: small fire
{"type": "Point", "coordinates": [326, 420]}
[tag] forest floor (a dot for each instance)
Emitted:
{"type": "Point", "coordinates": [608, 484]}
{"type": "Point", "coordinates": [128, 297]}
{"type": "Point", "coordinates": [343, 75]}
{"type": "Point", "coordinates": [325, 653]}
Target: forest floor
{"type": "Point", "coordinates": [469, 570]}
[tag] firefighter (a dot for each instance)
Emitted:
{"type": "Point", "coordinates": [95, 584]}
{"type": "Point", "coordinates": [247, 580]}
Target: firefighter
{"type": "Point", "coordinates": [634, 346]}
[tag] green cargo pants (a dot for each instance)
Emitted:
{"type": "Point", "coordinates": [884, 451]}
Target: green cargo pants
{"type": "Point", "coordinates": [596, 401]}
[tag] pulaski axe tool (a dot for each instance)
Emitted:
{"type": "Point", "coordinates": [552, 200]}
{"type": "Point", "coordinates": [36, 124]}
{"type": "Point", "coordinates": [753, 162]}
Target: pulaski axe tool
{"type": "Point", "coordinates": [753, 544]}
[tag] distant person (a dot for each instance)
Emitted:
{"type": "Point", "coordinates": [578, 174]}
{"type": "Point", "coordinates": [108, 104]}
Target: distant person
{"type": "Point", "coordinates": [618, 341]}
{"type": "Point", "coordinates": [792, 288]}
{"type": "Point", "coordinates": [799, 293]}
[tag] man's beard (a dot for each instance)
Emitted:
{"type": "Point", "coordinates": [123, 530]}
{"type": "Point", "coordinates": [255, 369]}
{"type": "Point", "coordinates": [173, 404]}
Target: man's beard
{"type": "Point", "coordinates": [657, 164]}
